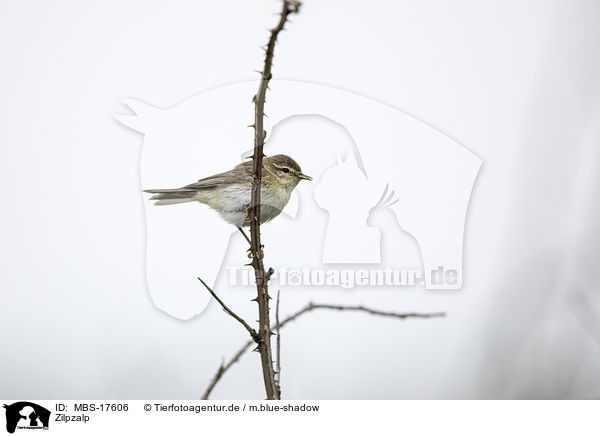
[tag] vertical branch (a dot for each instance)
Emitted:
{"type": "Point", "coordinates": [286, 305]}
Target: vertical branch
{"type": "Point", "coordinates": [264, 331]}
{"type": "Point", "coordinates": [278, 348]}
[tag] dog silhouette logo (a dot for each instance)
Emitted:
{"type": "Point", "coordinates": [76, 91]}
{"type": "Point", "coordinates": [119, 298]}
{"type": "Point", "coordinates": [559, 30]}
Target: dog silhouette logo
{"type": "Point", "coordinates": [26, 415]}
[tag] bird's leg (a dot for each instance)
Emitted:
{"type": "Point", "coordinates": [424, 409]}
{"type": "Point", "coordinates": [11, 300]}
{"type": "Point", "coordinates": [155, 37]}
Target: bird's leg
{"type": "Point", "coordinates": [247, 219]}
{"type": "Point", "coordinates": [249, 250]}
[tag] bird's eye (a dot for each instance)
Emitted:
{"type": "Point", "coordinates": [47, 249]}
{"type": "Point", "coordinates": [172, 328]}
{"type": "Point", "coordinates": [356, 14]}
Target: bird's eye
{"type": "Point", "coordinates": [285, 170]}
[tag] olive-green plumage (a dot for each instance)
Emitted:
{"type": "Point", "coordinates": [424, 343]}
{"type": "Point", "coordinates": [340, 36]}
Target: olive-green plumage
{"type": "Point", "coordinates": [229, 193]}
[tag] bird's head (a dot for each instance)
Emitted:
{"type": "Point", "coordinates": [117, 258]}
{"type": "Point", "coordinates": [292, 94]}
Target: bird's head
{"type": "Point", "coordinates": [282, 171]}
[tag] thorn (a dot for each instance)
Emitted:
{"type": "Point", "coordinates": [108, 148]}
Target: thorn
{"type": "Point", "coordinates": [256, 349]}
{"type": "Point", "coordinates": [255, 299]}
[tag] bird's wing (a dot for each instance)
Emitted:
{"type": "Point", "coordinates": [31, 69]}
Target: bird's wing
{"type": "Point", "coordinates": [240, 174]}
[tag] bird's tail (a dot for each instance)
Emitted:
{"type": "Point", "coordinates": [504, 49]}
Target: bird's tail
{"type": "Point", "coordinates": [164, 197]}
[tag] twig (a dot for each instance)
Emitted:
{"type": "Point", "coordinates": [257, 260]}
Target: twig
{"type": "Point", "coordinates": [264, 328]}
{"type": "Point", "coordinates": [245, 236]}
{"type": "Point", "coordinates": [227, 310]}
{"type": "Point", "coordinates": [224, 367]}
{"type": "Point", "coordinates": [376, 312]}
{"type": "Point", "coordinates": [310, 307]}
{"type": "Point", "coordinates": [278, 351]}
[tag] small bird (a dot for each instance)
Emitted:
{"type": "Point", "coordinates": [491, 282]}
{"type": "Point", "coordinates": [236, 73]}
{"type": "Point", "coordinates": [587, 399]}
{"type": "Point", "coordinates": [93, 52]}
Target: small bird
{"type": "Point", "coordinates": [229, 193]}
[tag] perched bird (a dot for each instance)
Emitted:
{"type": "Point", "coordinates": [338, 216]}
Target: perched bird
{"type": "Point", "coordinates": [229, 193]}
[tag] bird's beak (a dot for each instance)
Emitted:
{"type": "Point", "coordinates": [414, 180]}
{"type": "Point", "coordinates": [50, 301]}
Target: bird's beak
{"type": "Point", "coordinates": [304, 176]}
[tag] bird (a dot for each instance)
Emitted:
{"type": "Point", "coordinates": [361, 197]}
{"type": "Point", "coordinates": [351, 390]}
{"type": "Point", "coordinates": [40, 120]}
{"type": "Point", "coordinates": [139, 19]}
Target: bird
{"type": "Point", "coordinates": [229, 193]}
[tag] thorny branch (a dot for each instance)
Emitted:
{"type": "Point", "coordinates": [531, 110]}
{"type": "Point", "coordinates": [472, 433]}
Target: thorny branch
{"type": "Point", "coordinates": [278, 352]}
{"type": "Point", "coordinates": [264, 330]}
{"type": "Point", "coordinates": [310, 307]}
{"type": "Point", "coordinates": [263, 336]}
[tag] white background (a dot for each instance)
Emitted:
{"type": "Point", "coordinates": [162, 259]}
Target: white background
{"type": "Point", "coordinates": [515, 82]}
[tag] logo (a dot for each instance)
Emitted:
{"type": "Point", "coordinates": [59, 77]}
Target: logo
{"type": "Point", "coordinates": [387, 207]}
{"type": "Point", "coordinates": [26, 415]}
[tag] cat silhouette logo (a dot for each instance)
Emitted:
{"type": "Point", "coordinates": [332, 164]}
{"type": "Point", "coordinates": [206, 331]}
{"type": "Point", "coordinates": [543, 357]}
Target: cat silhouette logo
{"type": "Point", "coordinates": [26, 415]}
{"type": "Point", "coordinates": [388, 190]}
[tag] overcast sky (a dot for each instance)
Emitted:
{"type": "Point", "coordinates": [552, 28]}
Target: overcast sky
{"type": "Point", "coordinates": [514, 82]}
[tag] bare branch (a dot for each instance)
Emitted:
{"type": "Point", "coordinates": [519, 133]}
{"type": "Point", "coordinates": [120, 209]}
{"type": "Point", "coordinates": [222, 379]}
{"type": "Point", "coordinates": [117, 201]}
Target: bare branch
{"type": "Point", "coordinates": [376, 312]}
{"type": "Point", "coordinates": [223, 368]}
{"type": "Point", "coordinates": [227, 310]}
{"type": "Point", "coordinates": [264, 328]}
{"type": "Point", "coordinates": [310, 307]}
{"type": "Point", "coordinates": [278, 348]}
